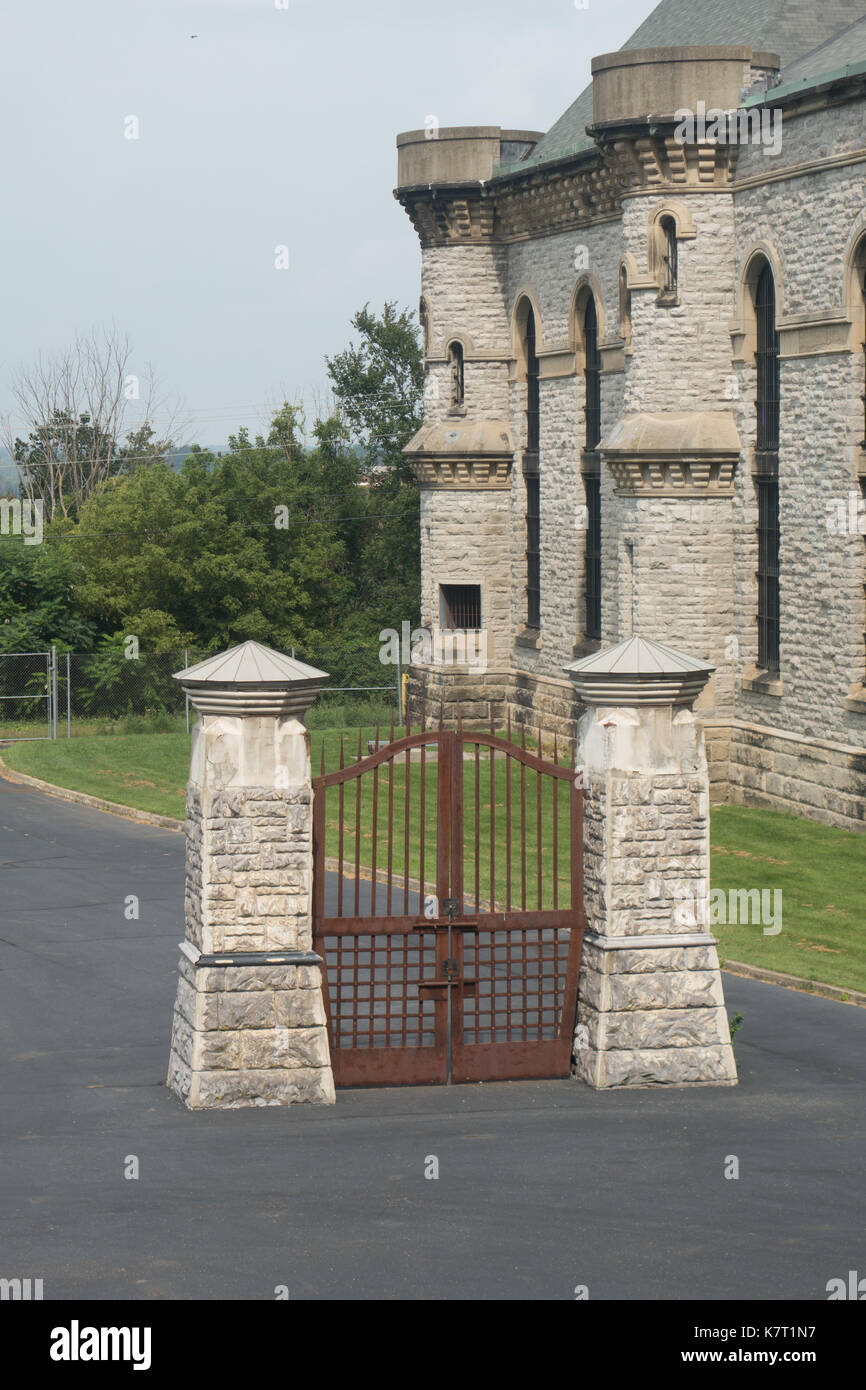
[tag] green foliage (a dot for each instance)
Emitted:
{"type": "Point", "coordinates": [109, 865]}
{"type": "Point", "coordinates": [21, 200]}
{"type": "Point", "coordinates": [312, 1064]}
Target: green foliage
{"type": "Point", "coordinates": [39, 599]}
{"type": "Point", "coordinates": [379, 386]}
{"type": "Point", "coordinates": [735, 1023]}
{"type": "Point", "coordinates": [306, 546]}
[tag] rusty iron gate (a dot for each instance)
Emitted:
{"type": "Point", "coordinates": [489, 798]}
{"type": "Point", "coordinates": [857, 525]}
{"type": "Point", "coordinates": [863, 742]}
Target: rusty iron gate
{"type": "Point", "coordinates": [448, 908]}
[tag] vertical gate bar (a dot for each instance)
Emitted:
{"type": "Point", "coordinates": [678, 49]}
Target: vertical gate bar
{"type": "Point", "coordinates": [508, 822]}
{"type": "Point", "coordinates": [423, 799]}
{"type": "Point", "coordinates": [340, 833]}
{"type": "Point", "coordinates": [443, 834]}
{"type": "Point", "coordinates": [538, 841]}
{"type": "Point", "coordinates": [577, 855]}
{"type": "Point", "coordinates": [69, 699]}
{"type": "Point", "coordinates": [358, 833]}
{"type": "Point", "coordinates": [492, 818]}
{"type": "Point", "coordinates": [523, 823]}
{"type": "Point", "coordinates": [319, 796]}
{"type": "Point", "coordinates": [569, 1005]}
{"type": "Point", "coordinates": [555, 834]}
{"type": "Point", "coordinates": [478, 827]}
{"type": "Point", "coordinates": [406, 813]}
{"type": "Point", "coordinates": [375, 828]}
{"type": "Point", "coordinates": [390, 827]}
{"type": "Point", "coordinates": [457, 818]}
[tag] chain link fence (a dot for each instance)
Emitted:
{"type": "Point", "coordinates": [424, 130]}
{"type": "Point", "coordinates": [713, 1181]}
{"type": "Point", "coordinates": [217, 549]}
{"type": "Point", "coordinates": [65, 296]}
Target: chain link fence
{"type": "Point", "coordinates": [63, 694]}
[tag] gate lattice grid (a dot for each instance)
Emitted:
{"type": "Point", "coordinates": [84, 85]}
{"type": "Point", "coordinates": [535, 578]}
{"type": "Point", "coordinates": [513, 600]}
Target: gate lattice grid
{"type": "Point", "coordinates": [448, 907]}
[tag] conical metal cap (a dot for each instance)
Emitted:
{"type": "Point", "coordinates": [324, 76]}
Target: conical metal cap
{"type": "Point", "coordinates": [639, 672]}
{"type": "Point", "coordinates": [251, 680]}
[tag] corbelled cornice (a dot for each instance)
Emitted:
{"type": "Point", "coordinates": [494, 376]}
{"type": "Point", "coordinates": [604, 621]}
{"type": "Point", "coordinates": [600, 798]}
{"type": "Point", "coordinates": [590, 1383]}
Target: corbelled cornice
{"type": "Point", "coordinates": [630, 157]}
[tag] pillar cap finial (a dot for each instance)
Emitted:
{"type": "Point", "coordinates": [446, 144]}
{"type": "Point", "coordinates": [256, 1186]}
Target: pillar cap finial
{"type": "Point", "coordinates": [639, 671]}
{"type": "Point", "coordinates": [251, 679]}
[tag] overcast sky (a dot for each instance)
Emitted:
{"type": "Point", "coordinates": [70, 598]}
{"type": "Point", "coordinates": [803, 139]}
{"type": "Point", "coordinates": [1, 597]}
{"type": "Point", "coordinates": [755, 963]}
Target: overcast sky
{"type": "Point", "coordinates": [274, 126]}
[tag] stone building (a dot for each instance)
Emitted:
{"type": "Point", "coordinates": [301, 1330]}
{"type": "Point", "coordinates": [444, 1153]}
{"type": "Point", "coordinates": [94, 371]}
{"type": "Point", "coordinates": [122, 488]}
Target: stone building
{"type": "Point", "coordinates": [644, 404]}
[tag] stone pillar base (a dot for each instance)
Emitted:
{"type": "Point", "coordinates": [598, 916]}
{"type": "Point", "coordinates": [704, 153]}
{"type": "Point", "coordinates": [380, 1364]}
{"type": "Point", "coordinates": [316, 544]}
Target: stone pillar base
{"type": "Point", "coordinates": [651, 1013]}
{"type": "Point", "coordinates": [249, 1029]}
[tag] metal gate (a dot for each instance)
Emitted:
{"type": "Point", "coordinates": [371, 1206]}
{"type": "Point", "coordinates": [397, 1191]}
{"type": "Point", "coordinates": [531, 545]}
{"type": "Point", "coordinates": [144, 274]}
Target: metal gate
{"type": "Point", "coordinates": [448, 908]}
{"type": "Point", "coordinates": [28, 696]}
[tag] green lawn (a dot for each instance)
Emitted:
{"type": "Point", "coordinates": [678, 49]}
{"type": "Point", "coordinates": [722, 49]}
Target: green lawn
{"type": "Point", "coordinates": [820, 872]}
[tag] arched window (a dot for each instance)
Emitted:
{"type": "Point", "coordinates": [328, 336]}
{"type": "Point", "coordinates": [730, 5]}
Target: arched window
{"type": "Point", "coordinates": [668, 231]}
{"type": "Point", "coordinates": [591, 469]}
{"type": "Point", "coordinates": [767, 469]}
{"type": "Point", "coordinates": [424, 321]}
{"type": "Point", "coordinates": [624, 305]}
{"type": "Point", "coordinates": [531, 475]}
{"type": "Point", "coordinates": [860, 271]}
{"type": "Point", "coordinates": [455, 363]}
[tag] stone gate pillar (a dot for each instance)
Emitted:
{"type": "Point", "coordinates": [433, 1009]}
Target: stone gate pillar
{"type": "Point", "coordinates": [249, 1022]}
{"type": "Point", "coordinates": [651, 1008]}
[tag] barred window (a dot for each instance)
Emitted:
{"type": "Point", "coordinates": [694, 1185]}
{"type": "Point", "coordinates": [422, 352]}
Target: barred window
{"type": "Point", "coordinates": [767, 406]}
{"type": "Point", "coordinates": [591, 475]}
{"type": "Point", "coordinates": [460, 607]}
{"type": "Point", "coordinates": [455, 362]}
{"type": "Point", "coordinates": [533, 430]}
{"type": "Point", "coordinates": [592, 375]}
{"type": "Point", "coordinates": [669, 257]}
{"type": "Point", "coordinates": [531, 467]}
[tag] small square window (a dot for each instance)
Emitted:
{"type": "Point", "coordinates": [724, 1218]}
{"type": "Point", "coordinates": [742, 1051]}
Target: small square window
{"type": "Point", "coordinates": [460, 607]}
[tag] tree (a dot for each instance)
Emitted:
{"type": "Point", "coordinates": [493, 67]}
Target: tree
{"type": "Point", "coordinates": [379, 385]}
{"type": "Point", "coordinates": [247, 545]}
{"type": "Point", "coordinates": [74, 408]}
{"type": "Point", "coordinates": [39, 604]}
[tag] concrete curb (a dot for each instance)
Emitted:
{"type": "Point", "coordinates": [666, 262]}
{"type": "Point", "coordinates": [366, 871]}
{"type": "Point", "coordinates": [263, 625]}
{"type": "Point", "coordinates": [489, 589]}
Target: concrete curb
{"type": "Point", "coordinates": [95, 803]}
{"type": "Point", "coordinates": [776, 977]}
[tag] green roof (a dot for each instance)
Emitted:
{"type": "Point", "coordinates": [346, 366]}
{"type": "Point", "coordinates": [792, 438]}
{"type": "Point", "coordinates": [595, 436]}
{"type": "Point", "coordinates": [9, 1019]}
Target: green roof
{"type": "Point", "coordinates": [802, 32]}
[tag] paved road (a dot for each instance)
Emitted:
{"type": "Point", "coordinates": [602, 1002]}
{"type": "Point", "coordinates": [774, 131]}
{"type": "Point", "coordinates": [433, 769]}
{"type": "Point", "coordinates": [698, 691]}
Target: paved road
{"type": "Point", "coordinates": [543, 1185]}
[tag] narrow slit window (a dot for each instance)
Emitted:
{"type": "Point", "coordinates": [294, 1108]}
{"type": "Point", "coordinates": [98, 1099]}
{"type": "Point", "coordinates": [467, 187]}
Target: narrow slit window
{"type": "Point", "coordinates": [767, 406]}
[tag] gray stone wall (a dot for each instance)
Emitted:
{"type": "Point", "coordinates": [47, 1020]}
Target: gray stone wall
{"type": "Point", "coordinates": [249, 1023]}
{"type": "Point", "coordinates": [651, 1004]}
{"type": "Point", "coordinates": [249, 1036]}
{"type": "Point", "coordinates": [683, 570]}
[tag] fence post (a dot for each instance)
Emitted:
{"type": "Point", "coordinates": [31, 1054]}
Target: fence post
{"type": "Point", "coordinates": [400, 719]}
{"type": "Point", "coordinates": [651, 1004]}
{"type": "Point", "coordinates": [68, 697]}
{"type": "Point", "coordinates": [52, 699]}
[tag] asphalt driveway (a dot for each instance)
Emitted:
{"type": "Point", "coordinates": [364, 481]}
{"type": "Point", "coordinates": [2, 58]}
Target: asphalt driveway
{"type": "Point", "coordinates": [542, 1185]}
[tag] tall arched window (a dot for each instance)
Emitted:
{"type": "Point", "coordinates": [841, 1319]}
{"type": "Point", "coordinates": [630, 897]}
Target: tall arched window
{"type": "Point", "coordinates": [531, 470]}
{"type": "Point", "coordinates": [767, 470]}
{"type": "Point", "coordinates": [424, 321]}
{"type": "Point", "coordinates": [455, 362]}
{"type": "Point", "coordinates": [591, 469]}
{"type": "Point", "coordinates": [624, 306]}
{"type": "Point", "coordinates": [668, 229]}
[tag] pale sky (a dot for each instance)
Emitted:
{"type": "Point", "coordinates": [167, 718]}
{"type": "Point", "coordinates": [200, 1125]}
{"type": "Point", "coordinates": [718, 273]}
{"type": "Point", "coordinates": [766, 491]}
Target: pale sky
{"type": "Point", "coordinates": [274, 126]}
